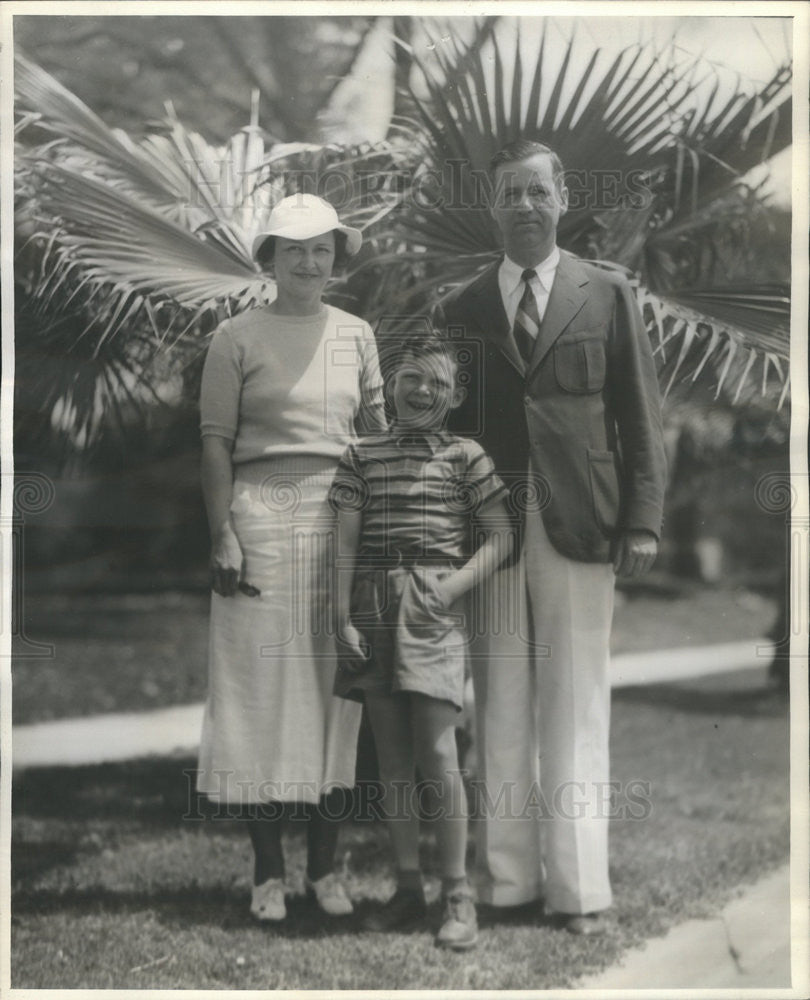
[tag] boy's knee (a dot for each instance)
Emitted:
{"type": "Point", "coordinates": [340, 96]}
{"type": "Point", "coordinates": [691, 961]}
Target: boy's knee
{"type": "Point", "coordinates": [396, 763]}
{"type": "Point", "coordinates": [438, 757]}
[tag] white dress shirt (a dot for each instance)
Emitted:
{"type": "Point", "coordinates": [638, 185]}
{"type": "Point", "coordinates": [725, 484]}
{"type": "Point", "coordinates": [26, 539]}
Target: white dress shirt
{"type": "Point", "coordinates": [510, 282]}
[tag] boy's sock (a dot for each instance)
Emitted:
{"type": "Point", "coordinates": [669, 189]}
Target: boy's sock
{"type": "Point", "coordinates": [406, 908]}
{"type": "Point", "coordinates": [450, 885]}
{"type": "Point", "coordinates": [409, 878]}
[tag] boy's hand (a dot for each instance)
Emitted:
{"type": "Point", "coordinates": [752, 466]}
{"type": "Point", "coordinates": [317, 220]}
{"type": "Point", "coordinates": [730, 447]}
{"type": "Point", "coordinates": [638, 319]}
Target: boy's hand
{"type": "Point", "coordinates": [448, 590]}
{"type": "Point", "coordinates": [351, 642]}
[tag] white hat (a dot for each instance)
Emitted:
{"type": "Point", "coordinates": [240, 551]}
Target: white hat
{"type": "Point", "coordinates": [302, 216]}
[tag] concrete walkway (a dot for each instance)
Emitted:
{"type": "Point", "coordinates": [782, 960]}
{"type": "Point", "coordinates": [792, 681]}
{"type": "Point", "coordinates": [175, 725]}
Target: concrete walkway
{"type": "Point", "coordinates": [127, 735]}
{"type": "Point", "coordinates": [746, 946]}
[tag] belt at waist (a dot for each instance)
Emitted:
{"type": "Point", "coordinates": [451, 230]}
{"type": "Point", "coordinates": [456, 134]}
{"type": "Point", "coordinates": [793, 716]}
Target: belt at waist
{"type": "Point", "coordinates": [396, 559]}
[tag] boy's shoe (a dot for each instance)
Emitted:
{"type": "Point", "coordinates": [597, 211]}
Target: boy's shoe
{"type": "Point", "coordinates": [267, 902]}
{"type": "Point", "coordinates": [331, 895]}
{"type": "Point", "coordinates": [406, 908]}
{"type": "Point", "coordinates": [459, 929]}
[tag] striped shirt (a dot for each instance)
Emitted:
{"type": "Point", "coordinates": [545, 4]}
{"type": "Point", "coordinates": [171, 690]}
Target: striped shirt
{"type": "Point", "coordinates": [418, 492]}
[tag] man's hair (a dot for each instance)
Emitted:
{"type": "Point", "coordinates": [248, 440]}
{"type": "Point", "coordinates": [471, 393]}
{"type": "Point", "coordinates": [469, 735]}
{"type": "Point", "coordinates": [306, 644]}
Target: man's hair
{"type": "Point", "coordinates": [522, 149]}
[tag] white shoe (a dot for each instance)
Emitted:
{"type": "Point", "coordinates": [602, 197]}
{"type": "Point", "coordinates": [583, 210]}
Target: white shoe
{"type": "Point", "coordinates": [267, 902]}
{"type": "Point", "coordinates": [331, 895]}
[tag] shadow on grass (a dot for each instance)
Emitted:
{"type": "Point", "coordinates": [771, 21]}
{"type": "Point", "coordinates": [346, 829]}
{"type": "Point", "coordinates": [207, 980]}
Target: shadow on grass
{"type": "Point", "coordinates": [188, 907]}
{"type": "Point", "coordinates": [228, 909]}
{"type": "Point", "coordinates": [154, 791]}
{"type": "Point", "coordinates": [709, 696]}
{"type": "Point", "coordinates": [159, 792]}
{"type": "Point", "coordinates": [32, 859]}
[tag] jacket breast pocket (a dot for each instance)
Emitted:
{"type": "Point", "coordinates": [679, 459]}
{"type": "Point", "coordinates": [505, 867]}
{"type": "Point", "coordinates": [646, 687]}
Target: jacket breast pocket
{"type": "Point", "coordinates": [580, 365]}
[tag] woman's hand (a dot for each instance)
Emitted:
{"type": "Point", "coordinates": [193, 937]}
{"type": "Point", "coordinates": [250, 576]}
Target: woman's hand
{"type": "Point", "coordinates": [227, 562]}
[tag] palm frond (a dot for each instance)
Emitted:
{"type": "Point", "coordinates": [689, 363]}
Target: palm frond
{"type": "Point", "coordinates": [133, 252]}
{"type": "Point", "coordinates": [42, 99]}
{"type": "Point", "coordinates": [703, 326]}
{"type": "Point", "coordinates": [647, 122]}
{"type": "Point", "coordinates": [169, 221]}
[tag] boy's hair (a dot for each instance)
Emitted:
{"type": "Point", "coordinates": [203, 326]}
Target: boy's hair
{"type": "Point", "coordinates": [425, 344]}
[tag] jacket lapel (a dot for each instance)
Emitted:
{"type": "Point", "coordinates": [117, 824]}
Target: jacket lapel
{"type": "Point", "coordinates": [490, 317]}
{"type": "Point", "coordinates": [568, 295]}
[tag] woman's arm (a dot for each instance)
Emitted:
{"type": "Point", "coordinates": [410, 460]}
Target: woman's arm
{"type": "Point", "coordinates": [226, 561]}
{"type": "Point", "coordinates": [370, 417]}
{"type": "Point", "coordinates": [348, 529]}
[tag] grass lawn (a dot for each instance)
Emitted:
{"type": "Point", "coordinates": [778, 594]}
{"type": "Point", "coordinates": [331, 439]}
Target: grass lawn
{"type": "Point", "coordinates": [140, 651]}
{"type": "Point", "coordinates": [114, 888]}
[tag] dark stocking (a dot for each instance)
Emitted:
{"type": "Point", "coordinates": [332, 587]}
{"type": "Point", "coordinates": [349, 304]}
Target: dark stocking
{"type": "Point", "coordinates": [322, 833]}
{"type": "Point", "coordinates": [264, 828]}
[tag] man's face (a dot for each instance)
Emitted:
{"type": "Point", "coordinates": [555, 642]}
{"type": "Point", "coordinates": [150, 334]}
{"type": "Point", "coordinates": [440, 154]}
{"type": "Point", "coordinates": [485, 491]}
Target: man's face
{"type": "Point", "coordinates": [527, 208]}
{"type": "Point", "coordinates": [424, 391]}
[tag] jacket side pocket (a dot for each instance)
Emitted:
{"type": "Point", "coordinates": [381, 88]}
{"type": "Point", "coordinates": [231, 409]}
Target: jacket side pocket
{"type": "Point", "coordinates": [604, 479]}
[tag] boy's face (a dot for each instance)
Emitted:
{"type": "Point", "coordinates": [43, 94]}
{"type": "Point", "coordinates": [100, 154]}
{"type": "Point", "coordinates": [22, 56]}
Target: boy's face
{"type": "Point", "coordinates": [424, 390]}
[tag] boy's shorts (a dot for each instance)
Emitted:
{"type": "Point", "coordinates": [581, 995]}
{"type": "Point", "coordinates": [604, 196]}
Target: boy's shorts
{"type": "Point", "coordinates": [415, 645]}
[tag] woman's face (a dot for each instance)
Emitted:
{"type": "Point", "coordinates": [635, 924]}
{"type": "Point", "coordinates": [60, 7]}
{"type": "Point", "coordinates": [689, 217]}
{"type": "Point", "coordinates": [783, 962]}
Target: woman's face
{"type": "Point", "coordinates": [302, 268]}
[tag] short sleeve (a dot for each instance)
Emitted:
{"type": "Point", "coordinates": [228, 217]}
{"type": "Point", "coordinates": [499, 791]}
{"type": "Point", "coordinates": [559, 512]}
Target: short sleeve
{"type": "Point", "coordinates": [349, 489]}
{"type": "Point", "coordinates": [371, 415]}
{"type": "Point", "coordinates": [482, 481]}
{"type": "Point", "coordinates": [221, 387]}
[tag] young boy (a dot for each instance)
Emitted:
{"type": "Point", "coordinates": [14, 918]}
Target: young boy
{"type": "Point", "coordinates": [406, 501]}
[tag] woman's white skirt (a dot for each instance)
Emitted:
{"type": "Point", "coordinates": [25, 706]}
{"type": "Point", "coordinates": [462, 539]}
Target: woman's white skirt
{"type": "Point", "coordinates": [272, 729]}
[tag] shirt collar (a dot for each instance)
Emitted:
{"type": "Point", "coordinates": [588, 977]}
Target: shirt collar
{"type": "Point", "coordinates": [513, 273]}
{"type": "Point", "coordinates": [433, 439]}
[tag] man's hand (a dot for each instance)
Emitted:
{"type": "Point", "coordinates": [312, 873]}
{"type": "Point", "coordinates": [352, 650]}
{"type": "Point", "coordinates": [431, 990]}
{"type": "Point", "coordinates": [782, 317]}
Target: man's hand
{"type": "Point", "coordinates": [227, 562]}
{"type": "Point", "coordinates": [635, 553]}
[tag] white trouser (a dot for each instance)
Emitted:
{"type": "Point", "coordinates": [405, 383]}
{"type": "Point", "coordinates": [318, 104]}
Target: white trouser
{"type": "Point", "coordinates": [540, 675]}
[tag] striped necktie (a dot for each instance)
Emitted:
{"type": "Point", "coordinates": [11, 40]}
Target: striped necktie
{"type": "Point", "coordinates": [527, 319]}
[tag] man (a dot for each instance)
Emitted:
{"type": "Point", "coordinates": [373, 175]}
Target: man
{"type": "Point", "coordinates": [563, 394]}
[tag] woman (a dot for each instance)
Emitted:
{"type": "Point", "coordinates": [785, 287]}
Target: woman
{"type": "Point", "coordinates": [284, 389]}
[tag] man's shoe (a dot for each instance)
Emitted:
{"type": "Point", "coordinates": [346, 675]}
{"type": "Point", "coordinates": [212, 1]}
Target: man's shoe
{"type": "Point", "coordinates": [587, 924]}
{"type": "Point", "coordinates": [459, 929]}
{"type": "Point", "coordinates": [267, 900]}
{"type": "Point", "coordinates": [331, 895]}
{"type": "Point", "coordinates": [405, 909]}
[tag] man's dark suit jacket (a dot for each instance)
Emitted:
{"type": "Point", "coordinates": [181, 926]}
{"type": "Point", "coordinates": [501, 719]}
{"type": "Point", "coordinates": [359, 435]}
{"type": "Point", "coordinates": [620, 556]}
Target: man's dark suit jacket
{"type": "Point", "coordinates": [587, 410]}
